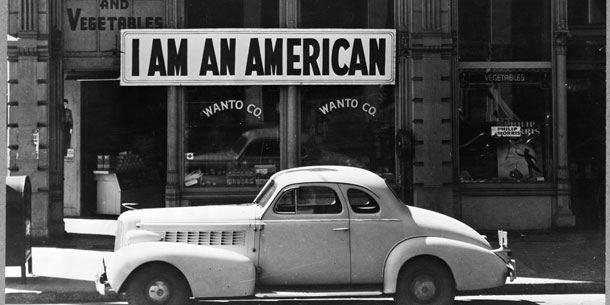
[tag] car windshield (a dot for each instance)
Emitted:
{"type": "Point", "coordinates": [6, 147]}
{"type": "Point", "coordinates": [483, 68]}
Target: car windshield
{"type": "Point", "coordinates": [265, 194]}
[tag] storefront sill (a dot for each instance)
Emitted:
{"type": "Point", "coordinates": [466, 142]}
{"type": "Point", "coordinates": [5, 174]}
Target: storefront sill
{"type": "Point", "coordinates": [508, 189]}
{"type": "Point", "coordinates": [221, 190]}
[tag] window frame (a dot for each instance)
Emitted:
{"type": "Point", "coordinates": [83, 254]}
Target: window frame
{"type": "Point", "coordinates": [335, 191]}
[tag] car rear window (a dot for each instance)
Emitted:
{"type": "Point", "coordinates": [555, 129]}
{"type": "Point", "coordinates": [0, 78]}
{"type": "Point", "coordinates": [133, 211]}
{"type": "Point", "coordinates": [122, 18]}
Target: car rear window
{"type": "Point", "coordinates": [361, 202]}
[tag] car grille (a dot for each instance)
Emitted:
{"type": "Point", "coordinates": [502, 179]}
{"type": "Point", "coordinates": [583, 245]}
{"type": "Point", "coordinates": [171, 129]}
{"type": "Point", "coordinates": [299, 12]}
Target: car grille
{"type": "Point", "coordinates": [208, 238]}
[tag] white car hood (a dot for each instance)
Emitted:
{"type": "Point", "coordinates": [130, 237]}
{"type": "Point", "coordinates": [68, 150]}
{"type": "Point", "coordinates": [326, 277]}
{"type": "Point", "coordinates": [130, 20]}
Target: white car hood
{"type": "Point", "coordinates": [439, 225]}
{"type": "Point", "coordinates": [212, 213]}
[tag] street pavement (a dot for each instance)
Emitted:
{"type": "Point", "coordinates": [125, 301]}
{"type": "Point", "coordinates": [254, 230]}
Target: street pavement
{"type": "Point", "coordinates": [567, 261]}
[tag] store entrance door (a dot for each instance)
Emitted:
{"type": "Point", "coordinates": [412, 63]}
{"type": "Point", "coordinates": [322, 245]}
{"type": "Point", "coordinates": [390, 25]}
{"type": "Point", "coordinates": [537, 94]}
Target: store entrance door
{"type": "Point", "coordinates": [124, 146]}
{"type": "Point", "coordinates": [586, 145]}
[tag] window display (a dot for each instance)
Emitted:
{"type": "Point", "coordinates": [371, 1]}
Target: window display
{"type": "Point", "coordinates": [505, 127]}
{"type": "Point", "coordinates": [231, 136]}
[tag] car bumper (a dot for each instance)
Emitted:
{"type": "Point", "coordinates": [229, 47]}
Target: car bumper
{"type": "Point", "coordinates": [101, 285]}
{"type": "Point", "coordinates": [101, 281]}
{"type": "Point", "coordinates": [505, 254]}
{"type": "Point", "coordinates": [512, 269]}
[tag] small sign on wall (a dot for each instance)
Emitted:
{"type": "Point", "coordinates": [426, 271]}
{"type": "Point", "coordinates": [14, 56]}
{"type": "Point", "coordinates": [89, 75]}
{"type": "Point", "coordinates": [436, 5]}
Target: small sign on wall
{"type": "Point", "coordinates": [69, 157]}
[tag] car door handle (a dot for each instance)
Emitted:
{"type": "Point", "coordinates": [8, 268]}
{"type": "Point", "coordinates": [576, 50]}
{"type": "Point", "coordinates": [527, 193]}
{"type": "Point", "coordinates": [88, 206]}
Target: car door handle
{"type": "Point", "coordinates": [340, 229]}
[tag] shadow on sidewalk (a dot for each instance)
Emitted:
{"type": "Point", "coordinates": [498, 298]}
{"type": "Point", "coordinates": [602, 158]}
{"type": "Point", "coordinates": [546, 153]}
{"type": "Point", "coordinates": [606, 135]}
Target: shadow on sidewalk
{"type": "Point", "coordinates": [560, 254]}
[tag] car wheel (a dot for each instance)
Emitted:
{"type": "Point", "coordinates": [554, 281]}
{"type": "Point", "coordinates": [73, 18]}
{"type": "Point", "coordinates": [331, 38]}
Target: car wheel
{"type": "Point", "coordinates": [158, 284]}
{"type": "Point", "coordinates": [425, 281]}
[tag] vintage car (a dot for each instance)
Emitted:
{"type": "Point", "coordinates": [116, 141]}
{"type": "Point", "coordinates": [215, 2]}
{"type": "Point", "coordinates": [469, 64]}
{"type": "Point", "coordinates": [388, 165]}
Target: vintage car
{"type": "Point", "coordinates": [332, 228]}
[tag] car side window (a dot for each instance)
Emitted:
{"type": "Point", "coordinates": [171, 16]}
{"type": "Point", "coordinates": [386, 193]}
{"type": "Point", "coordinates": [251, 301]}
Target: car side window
{"type": "Point", "coordinates": [285, 205]}
{"type": "Point", "coordinates": [361, 202]}
{"type": "Point", "coordinates": [309, 200]}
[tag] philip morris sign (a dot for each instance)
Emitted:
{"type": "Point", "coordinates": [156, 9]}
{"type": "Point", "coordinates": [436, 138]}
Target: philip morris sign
{"type": "Point", "coordinates": [201, 57]}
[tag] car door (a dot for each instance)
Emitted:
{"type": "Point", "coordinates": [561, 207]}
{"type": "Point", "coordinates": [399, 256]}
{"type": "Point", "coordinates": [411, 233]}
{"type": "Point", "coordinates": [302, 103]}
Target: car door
{"type": "Point", "coordinates": [305, 238]}
{"type": "Point", "coordinates": [374, 231]}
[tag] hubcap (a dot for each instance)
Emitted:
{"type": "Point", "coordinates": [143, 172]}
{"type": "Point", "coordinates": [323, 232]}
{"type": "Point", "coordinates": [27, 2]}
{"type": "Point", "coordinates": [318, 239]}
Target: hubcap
{"type": "Point", "coordinates": [158, 291]}
{"type": "Point", "coordinates": [424, 288]}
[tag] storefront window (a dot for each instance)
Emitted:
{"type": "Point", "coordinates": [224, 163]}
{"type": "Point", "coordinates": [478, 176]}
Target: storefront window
{"type": "Point", "coordinates": [232, 13]}
{"type": "Point", "coordinates": [348, 125]}
{"type": "Point", "coordinates": [231, 136]}
{"type": "Point", "coordinates": [504, 30]}
{"type": "Point", "coordinates": [231, 133]}
{"type": "Point", "coordinates": [505, 127]}
{"type": "Point", "coordinates": [586, 12]}
{"type": "Point", "coordinates": [346, 14]}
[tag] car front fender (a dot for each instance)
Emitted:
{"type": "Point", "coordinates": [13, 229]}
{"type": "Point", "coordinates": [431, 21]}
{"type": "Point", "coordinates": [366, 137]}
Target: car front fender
{"type": "Point", "coordinates": [473, 267]}
{"type": "Point", "coordinates": [211, 272]}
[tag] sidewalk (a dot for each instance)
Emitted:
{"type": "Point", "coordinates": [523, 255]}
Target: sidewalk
{"type": "Point", "coordinates": [567, 261]}
{"type": "Point", "coordinates": [63, 270]}
{"type": "Point", "coordinates": [548, 262]}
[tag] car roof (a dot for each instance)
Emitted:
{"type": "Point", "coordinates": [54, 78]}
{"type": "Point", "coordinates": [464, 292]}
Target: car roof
{"type": "Point", "coordinates": [265, 132]}
{"type": "Point", "coordinates": [332, 173]}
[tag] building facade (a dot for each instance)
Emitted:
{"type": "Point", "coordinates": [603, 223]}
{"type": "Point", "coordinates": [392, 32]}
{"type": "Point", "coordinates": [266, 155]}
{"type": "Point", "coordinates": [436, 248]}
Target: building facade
{"type": "Point", "coordinates": [474, 123]}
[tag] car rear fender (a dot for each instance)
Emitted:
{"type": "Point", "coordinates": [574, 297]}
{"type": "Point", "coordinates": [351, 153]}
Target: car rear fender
{"type": "Point", "coordinates": [473, 267]}
{"type": "Point", "coordinates": [211, 272]}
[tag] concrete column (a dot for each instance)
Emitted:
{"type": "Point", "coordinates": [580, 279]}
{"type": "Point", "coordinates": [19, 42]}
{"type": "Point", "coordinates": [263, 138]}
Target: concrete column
{"type": "Point", "coordinates": [55, 155]}
{"type": "Point", "coordinates": [563, 216]}
{"type": "Point", "coordinates": [29, 117]}
{"type": "Point", "coordinates": [292, 117]}
{"type": "Point", "coordinates": [289, 105]}
{"type": "Point", "coordinates": [55, 109]}
{"type": "Point", "coordinates": [173, 136]}
{"type": "Point", "coordinates": [36, 81]}
{"type": "Point", "coordinates": [404, 169]}
{"type": "Point", "coordinates": [607, 155]}
{"type": "Point", "coordinates": [430, 103]}
{"type": "Point", "coordinates": [3, 152]}
{"type": "Point", "coordinates": [173, 122]}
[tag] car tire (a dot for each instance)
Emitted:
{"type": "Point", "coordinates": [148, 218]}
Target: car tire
{"type": "Point", "coordinates": [158, 284]}
{"type": "Point", "coordinates": [425, 281]}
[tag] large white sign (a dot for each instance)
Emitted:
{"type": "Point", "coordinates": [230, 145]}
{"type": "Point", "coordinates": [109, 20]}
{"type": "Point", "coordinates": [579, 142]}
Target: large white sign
{"type": "Point", "coordinates": [201, 57]}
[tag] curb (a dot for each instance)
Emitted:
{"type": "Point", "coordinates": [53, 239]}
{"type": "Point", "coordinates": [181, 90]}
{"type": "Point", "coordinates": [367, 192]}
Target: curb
{"type": "Point", "coordinates": [541, 288]}
{"type": "Point", "coordinates": [508, 289]}
{"type": "Point", "coordinates": [60, 297]}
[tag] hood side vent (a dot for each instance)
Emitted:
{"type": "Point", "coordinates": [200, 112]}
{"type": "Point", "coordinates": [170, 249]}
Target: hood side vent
{"type": "Point", "coordinates": [207, 238]}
